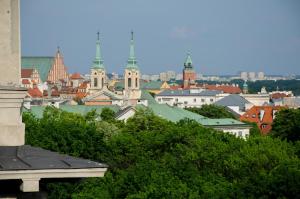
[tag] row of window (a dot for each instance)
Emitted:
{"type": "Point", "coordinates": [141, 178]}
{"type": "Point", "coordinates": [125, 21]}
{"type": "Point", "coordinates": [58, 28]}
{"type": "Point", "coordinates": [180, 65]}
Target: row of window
{"type": "Point", "coordinates": [185, 102]}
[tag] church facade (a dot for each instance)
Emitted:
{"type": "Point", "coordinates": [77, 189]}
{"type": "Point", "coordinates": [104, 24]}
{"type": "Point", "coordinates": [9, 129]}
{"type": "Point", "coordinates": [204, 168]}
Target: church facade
{"type": "Point", "coordinates": [101, 94]}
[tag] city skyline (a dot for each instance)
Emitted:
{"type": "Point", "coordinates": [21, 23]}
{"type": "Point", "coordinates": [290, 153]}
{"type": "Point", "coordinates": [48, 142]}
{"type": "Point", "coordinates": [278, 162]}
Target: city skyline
{"type": "Point", "coordinates": [249, 36]}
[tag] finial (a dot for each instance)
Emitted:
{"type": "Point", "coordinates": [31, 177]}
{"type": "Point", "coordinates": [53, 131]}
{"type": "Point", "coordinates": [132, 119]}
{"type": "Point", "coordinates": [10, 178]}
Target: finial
{"type": "Point", "coordinates": [131, 34]}
{"type": "Point", "coordinates": [58, 49]}
{"type": "Point", "coordinates": [98, 35]}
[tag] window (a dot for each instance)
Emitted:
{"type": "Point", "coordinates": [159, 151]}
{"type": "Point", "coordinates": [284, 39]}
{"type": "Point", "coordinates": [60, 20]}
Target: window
{"type": "Point", "coordinates": [176, 100]}
{"type": "Point", "coordinates": [195, 100]}
{"type": "Point", "coordinates": [240, 133]}
{"type": "Point", "coordinates": [202, 100]}
{"type": "Point", "coordinates": [253, 115]}
{"type": "Point", "coordinates": [129, 82]}
{"type": "Point", "coordinates": [263, 126]}
{"type": "Point", "coordinates": [95, 82]}
{"type": "Point", "coordinates": [102, 81]}
{"type": "Point", "coordinates": [136, 82]}
{"type": "Point", "coordinates": [185, 102]}
{"type": "Point", "coordinates": [159, 99]}
{"type": "Point", "coordinates": [211, 100]}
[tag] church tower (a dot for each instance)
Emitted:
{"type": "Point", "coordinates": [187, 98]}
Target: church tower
{"type": "Point", "coordinates": [132, 75]}
{"type": "Point", "coordinates": [98, 75]}
{"type": "Point", "coordinates": [189, 74]}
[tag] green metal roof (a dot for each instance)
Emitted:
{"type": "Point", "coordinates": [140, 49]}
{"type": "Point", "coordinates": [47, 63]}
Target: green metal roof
{"type": "Point", "coordinates": [42, 64]}
{"type": "Point", "coordinates": [98, 61]}
{"type": "Point", "coordinates": [176, 114]}
{"type": "Point", "coordinates": [151, 85]}
{"type": "Point", "coordinates": [132, 63]}
{"type": "Point", "coordinates": [81, 109]}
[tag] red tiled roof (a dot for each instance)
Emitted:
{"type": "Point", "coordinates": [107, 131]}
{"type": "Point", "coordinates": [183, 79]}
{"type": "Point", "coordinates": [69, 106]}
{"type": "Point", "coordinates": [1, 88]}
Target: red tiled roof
{"type": "Point", "coordinates": [225, 88]}
{"type": "Point", "coordinates": [264, 122]}
{"type": "Point", "coordinates": [34, 92]}
{"type": "Point", "coordinates": [76, 76]}
{"type": "Point", "coordinates": [26, 73]}
{"type": "Point", "coordinates": [279, 95]}
{"type": "Point", "coordinates": [25, 81]}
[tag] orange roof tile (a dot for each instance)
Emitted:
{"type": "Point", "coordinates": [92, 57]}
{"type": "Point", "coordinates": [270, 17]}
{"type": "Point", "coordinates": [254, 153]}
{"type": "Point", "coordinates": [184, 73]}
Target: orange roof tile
{"type": "Point", "coordinates": [76, 76]}
{"type": "Point", "coordinates": [225, 88]}
{"type": "Point", "coordinates": [26, 73]}
{"type": "Point", "coordinates": [262, 115]}
{"type": "Point", "coordinates": [25, 81]}
{"type": "Point", "coordinates": [35, 92]}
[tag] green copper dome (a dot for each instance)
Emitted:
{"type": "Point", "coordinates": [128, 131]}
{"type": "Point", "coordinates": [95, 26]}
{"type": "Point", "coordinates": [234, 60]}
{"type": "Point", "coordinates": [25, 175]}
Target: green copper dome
{"type": "Point", "coordinates": [98, 61]}
{"type": "Point", "coordinates": [132, 63]}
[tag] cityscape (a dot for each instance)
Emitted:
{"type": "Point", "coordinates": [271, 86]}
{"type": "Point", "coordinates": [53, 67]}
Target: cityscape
{"type": "Point", "coordinates": [173, 130]}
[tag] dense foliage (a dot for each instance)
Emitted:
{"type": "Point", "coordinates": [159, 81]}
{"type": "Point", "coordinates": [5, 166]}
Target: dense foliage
{"type": "Point", "coordinates": [286, 125]}
{"type": "Point", "coordinates": [150, 157]}
{"type": "Point", "coordinates": [212, 111]}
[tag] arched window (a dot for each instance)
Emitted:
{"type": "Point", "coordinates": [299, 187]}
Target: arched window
{"type": "Point", "coordinates": [136, 82]}
{"type": "Point", "coordinates": [102, 81]}
{"type": "Point", "coordinates": [95, 82]}
{"type": "Point", "coordinates": [129, 82]}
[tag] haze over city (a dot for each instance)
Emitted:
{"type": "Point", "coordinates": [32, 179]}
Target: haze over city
{"type": "Point", "coordinates": [224, 37]}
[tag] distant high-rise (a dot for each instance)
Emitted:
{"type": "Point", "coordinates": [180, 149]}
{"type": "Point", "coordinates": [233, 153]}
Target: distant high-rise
{"type": "Point", "coordinates": [261, 75]}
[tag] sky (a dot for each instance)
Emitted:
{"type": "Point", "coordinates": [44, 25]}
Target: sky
{"type": "Point", "coordinates": [223, 36]}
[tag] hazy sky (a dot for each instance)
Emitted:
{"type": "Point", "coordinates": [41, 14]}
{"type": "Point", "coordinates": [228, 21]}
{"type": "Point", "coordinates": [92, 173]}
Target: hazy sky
{"type": "Point", "coordinates": [223, 36]}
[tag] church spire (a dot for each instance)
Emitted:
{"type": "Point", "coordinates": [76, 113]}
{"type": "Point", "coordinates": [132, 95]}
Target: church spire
{"type": "Point", "coordinates": [188, 62]}
{"type": "Point", "coordinates": [98, 61]}
{"type": "Point", "coordinates": [132, 63]}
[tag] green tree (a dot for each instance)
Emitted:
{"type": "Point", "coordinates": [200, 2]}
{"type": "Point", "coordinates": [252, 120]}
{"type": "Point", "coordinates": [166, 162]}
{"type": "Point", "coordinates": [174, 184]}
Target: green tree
{"type": "Point", "coordinates": [107, 114]}
{"type": "Point", "coordinates": [286, 125]}
{"type": "Point", "coordinates": [212, 111]}
{"type": "Point", "coordinates": [150, 157]}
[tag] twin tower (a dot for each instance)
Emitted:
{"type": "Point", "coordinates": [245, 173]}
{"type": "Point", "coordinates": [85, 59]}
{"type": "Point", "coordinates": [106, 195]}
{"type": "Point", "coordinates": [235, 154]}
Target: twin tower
{"type": "Point", "coordinates": [131, 75]}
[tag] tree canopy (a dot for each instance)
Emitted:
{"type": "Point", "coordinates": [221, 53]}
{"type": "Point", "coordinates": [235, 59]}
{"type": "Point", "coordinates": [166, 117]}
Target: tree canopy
{"type": "Point", "coordinates": [150, 157]}
{"type": "Point", "coordinates": [286, 125]}
{"type": "Point", "coordinates": [212, 111]}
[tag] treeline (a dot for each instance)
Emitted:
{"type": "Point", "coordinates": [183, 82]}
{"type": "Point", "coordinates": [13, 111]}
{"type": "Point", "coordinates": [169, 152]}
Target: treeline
{"type": "Point", "coordinates": [150, 157]}
{"type": "Point", "coordinates": [271, 85]}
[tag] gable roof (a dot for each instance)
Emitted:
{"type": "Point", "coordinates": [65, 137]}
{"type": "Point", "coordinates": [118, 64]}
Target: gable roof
{"type": "Point", "coordinates": [261, 115]}
{"type": "Point", "coordinates": [233, 100]}
{"type": "Point", "coordinates": [42, 64]}
{"type": "Point", "coordinates": [105, 92]}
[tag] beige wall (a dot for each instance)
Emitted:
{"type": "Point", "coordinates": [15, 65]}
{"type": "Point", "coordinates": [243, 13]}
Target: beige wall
{"type": "Point", "coordinates": [9, 42]}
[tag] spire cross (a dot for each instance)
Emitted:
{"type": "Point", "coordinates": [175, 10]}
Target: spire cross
{"type": "Point", "coordinates": [131, 35]}
{"type": "Point", "coordinates": [98, 35]}
{"type": "Point", "coordinates": [58, 49]}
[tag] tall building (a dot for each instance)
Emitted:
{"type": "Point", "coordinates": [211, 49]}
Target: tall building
{"type": "Point", "coordinates": [244, 75]}
{"type": "Point", "coordinates": [252, 75]}
{"type": "Point", "coordinates": [98, 73]}
{"type": "Point", "coordinates": [189, 74]}
{"type": "Point", "coordinates": [58, 70]}
{"type": "Point", "coordinates": [132, 75]}
{"type": "Point", "coordinates": [261, 75]}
